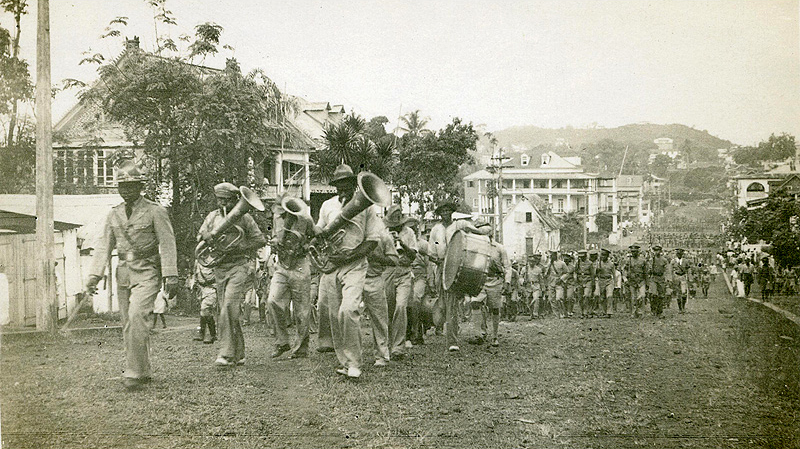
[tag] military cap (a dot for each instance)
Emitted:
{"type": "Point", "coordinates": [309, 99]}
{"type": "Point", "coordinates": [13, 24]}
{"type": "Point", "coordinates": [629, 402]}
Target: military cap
{"type": "Point", "coordinates": [657, 248]}
{"type": "Point", "coordinates": [129, 171]}
{"type": "Point", "coordinates": [535, 255]}
{"type": "Point", "coordinates": [343, 172]}
{"type": "Point", "coordinates": [634, 247]}
{"type": "Point", "coordinates": [452, 206]}
{"type": "Point", "coordinates": [605, 251]}
{"type": "Point", "coordinates": [225, 190]}
{"type": "Point", "coordinates": [582, 252]}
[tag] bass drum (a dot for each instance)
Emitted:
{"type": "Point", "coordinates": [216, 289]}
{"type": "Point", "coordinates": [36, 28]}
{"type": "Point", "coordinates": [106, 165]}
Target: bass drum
{"type": "Point", "coordinates": [466, 263]}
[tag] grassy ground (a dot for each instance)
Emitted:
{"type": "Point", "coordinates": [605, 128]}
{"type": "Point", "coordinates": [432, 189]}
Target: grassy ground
{"type": "Point", "coordinates": [727, 374]}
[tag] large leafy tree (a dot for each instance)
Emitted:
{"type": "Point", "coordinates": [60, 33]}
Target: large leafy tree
{"type": "Point", "coordinates": [197, 126]}
{"type": "Point", "coordinates": [775, 148]}
{"type": "Point", "coordinates": [427, 170]}
{"type": "Point", "coordinates": [17, 145]}
{"type": "Point", "coordinates": [357, 143]}
{"type": "Point", "coordinates": [777, 223]}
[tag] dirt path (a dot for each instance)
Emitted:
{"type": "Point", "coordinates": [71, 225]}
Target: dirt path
{"type": "Point", "coordinates": [724, 375]}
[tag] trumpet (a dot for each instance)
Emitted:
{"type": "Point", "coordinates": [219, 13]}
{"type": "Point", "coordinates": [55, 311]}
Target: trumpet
{"type": "Point", "coordinates": [228, 234]}
{"type": "Point", "coordinates": [371, 190]}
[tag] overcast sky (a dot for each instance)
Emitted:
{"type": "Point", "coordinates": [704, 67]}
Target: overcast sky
{"type": "Point", "coordinates": [729, 67]}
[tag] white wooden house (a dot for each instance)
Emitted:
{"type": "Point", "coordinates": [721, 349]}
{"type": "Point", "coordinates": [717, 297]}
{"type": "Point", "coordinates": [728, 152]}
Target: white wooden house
{"type": "Point", "coordinates": [529, 228]}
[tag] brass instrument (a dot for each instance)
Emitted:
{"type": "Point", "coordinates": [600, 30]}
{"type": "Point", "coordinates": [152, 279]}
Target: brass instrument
{"type": "Point", "coordinates": [211, 252]}
{"type": "Point", "coordinates": [371, 190]}
{"type": "Point", "coordinates": [291, 244]}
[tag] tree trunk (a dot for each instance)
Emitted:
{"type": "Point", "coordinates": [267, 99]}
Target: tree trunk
{"type": "Point", "coordinates": [12, 124]}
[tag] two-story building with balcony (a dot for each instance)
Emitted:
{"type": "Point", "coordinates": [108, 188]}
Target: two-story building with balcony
{"type": "Point", "coordinates": [561, 181]}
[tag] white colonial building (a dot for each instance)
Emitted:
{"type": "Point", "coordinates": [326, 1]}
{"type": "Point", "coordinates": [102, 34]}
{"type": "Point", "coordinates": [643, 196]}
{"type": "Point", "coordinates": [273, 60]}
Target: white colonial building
{"type": "Point", "coordinates": [560, 181]}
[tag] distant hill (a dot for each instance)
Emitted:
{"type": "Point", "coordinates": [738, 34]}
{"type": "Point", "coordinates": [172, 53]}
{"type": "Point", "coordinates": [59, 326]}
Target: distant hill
{"type": "Point", "coordinates": [639, 135]}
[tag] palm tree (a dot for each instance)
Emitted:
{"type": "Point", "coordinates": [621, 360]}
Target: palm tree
{"type": "Point", "coordinates": [415, 124]}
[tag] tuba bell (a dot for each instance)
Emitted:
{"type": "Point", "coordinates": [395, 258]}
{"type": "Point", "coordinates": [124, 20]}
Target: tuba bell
{"type": "Point", "coordinates": [371, 190]}
{"type": "Point", "coordinates": [291, 240]}
{"type": "Point", "coordinates": [211, 252]}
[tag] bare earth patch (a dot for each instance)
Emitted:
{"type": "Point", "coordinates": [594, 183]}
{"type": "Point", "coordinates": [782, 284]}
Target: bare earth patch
{"type": "Point", "coordinates": [726, 374]}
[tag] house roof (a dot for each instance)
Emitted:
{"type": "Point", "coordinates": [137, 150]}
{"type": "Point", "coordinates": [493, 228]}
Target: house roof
{"type": "Point", "coordinates": [86, 211]}
{"type": "Point", "coordinates": [539, 206]}
{"type": "Point", "coordinates": [26, 223]}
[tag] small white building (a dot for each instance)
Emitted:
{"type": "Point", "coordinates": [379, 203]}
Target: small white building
{"type": "Point", "coordinates": [530, 228]}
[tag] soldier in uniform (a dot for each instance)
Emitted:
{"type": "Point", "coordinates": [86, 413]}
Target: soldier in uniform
{"type": "Point", "coordinates": [419, 272]}
{"type": "Point", "coordinates": [399, 281]}
{"type": "Point", "coordinates": [571, 285]}
{"type": "Point", "coordinates": [511, 295]}
{"type": "Point", "coordinates": [437, 245]}
{"type": "Point", "coordinates": [585, 277]}
{"type": "Point", "coordinates": [440, 239]}
{"type": "Point", "coordinates": [291, 282]}
{"type": "Point", "coordinates": [634, 277]}
{"type": "Point", "coordinates": [656, 270]}
{"type": "Point", "coordinates": [234, 272]}
{"type": "Point", "coordinates": [605, 282]}
{"type": "Point", "coordinates": [557, 273]}
{"type": "Point", "coordinates": [536, 283]}
{"type": "Point", "coordinates": [141, 232]}
{"type": "Point", "coordinates": [341, 290]}
{"type": "Point", "coordinates": [207, 293]}
{"type": "Point", "coordinates": [681, 268]}
{"type": "Point", "coordinates": [383, 256]}
{"type": "Point", "coordinates": [498, 279]}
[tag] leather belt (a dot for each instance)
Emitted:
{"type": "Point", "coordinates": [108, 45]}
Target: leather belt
{"type": "Point", "coordinates": [130, 256]}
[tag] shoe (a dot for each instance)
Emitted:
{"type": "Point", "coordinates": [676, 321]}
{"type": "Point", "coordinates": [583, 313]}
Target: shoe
{"type": "Point", "coordinates": [209, 339]}
{"type": "Point", "coordinates": [409, 345]}
{"type": "Point", "coordinates": [495, 343]}
{"type": "Point", "coordinates": [298, 355]}
{"type": "Point", "coordinates": [476, 340]}
{"type": "Point", "coordinates": [164, 327]}
{"type": "Point", "coordinates": [323, 349]}
{"type": "Point", "coordinates": [381, 363]}
{"type": "Point", "coordinates": [222, 361]}
{"type": "Point", "coordinates": [200, 334]}
{"type": "Point", "coordinates": [134, 383]}
{"type": "Point", "coordinates": [453, 348]}
{"type": "Point", "coordinates": [280, 349]}
{"type": "Point", "coordinates": [353, 373]}
{"type": "Point", "coordinates": [240, 362]}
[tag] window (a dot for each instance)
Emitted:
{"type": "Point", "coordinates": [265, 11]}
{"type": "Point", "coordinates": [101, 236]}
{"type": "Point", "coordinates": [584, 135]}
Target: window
{"type": "Point", "coordinates": [524, 183]}
{"type": "Point", "coordinates": [507, 183]}
{"type": "Point", "coordinates": [525, 160]}
{"type": "Point", "coordinates": [528, 217]}
{"type": "Point", "coordinates": [606, 182]}
{"type": "Point", "coordinates": [578, 184]}
{"type": "Point", "coordinates": [528, 245]}
{"type": "Point", "coordinates": [539, 183]}
{"type": "Point", "coordinates": [559, 184]}
{"type": "Point", "coordinates": [470, 183]}
{"type": "Point", "coordinates": [475, 203]}
{"type": "Point", "coordinates": [292, 173]}
{"type": "Point", "coordinates": [755, 187]}
{"type": "Point", "coordinates": [560, 205]}
{"type": "Point", "coordinates": [508, 202]}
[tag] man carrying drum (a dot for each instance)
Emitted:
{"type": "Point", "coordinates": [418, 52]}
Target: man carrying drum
{"type": "Point", "coordinates": [440, 239]}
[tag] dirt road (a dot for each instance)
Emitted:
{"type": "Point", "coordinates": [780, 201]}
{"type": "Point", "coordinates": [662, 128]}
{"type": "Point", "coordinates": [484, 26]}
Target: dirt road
{"type": "Point", "coordinates": [726, 374]}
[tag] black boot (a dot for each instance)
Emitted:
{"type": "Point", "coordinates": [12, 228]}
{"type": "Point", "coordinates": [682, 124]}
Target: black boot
{"type": "Point", "coordinates": [212, 331]}
{"type": "Point", "coordinates": [262, 311]}
{"type": "Point", "coordinates": [201, 333]}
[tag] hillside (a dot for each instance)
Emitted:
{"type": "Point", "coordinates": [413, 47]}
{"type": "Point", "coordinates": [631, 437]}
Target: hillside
{"type": "Point", "coordinates": [638, 135]}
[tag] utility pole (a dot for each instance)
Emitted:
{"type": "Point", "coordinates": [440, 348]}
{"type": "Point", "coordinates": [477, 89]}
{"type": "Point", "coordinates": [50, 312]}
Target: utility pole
{"type": "Point", "coordinates": [47, 316]}
{"type": "Point", "coordinates": [497, 167]}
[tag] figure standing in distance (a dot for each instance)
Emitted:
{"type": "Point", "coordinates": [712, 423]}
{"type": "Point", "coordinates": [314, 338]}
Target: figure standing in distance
{"type": "Point", "coordinates": [141, 232]}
